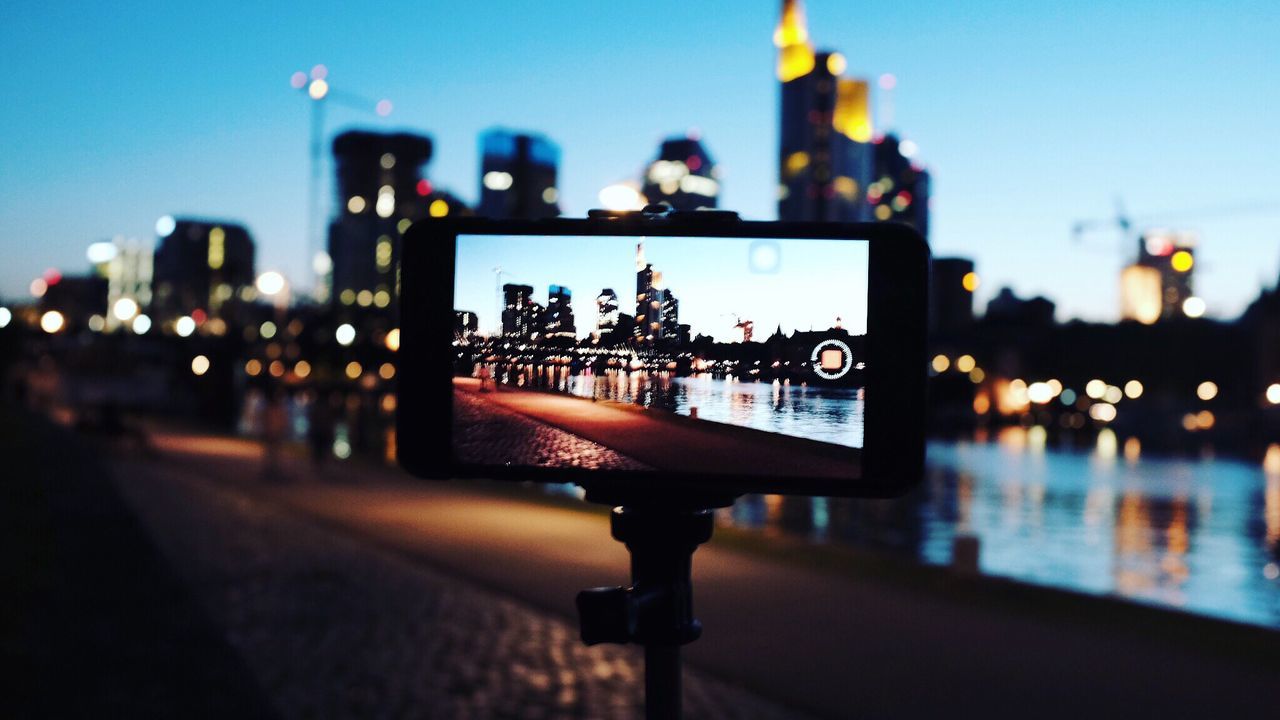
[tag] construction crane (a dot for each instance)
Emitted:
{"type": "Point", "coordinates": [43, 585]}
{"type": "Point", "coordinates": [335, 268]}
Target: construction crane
{"type": "Point", "coordinates": [315, 85]}
{"type": "Point", "coordinates": [1128, 227]}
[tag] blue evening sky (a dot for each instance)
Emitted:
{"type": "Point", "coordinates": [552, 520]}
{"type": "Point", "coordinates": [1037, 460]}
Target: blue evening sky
{"type": "Point", "coordinates": [1031, 115]}
{"type": "Point", "coordinates": [795, 284]}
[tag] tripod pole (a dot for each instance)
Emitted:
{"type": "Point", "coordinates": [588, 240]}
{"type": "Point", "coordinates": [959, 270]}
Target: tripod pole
{"type": "Point", "coordinates": [656, 611]}
{"type": "Point", "coordinates": [662, 682]}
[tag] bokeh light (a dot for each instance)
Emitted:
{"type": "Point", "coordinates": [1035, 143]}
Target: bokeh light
{"type": "Point", "coordinates": [199, 365]}
{"type": "Point", "coordinates": [52, 322]}
{"type": "Point", "coordinates": [345, 334]}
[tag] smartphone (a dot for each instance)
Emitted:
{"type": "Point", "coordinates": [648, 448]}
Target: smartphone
{"type": "Point", "coordinates": [648, 356]}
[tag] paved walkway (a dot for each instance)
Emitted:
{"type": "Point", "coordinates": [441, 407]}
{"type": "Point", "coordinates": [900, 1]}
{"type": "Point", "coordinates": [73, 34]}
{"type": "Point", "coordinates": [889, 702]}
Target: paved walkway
{"type": "Point", "coordinates": [834, 645]}
{"type": "Point", "coordinates": [671, 442]}
{"type": "Point", "coordinates": [335, 626]}
{"type": "Point", "coordinates": [93, 622]}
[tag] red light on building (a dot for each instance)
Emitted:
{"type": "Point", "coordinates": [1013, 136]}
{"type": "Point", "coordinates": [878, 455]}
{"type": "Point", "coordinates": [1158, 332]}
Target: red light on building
{"type": "Point", "coordinates": [199, 316]}
{"type": "Point", "coordinates": [52, 277]}
{"type": "Point", "coordinates": [424, 188]}
{"type": "Point", "coordinates": [693, 162]}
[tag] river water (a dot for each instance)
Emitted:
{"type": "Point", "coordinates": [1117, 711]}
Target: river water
{"type": "Point", "coordinates": [1196, 534]}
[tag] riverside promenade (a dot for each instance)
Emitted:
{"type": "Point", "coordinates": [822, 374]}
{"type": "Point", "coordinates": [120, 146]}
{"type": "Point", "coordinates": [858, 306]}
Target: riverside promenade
{"type": "Point", "coordinates": [358, 588]}
{"type": "Point", "coordinates": [668, 442]}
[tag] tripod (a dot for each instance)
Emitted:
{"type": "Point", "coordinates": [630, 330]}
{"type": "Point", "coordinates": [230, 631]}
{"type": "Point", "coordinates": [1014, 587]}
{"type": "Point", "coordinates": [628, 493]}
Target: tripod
{"type": "Point", "coordinates": [656, 611]}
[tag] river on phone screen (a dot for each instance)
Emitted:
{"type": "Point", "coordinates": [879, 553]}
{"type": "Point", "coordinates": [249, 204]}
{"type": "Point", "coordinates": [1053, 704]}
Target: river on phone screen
{"type": "Point", "coordinates": [828, 413]}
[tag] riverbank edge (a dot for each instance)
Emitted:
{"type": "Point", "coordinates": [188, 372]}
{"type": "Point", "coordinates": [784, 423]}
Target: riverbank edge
{"type": "Point", "coordinates": [1221, 637]}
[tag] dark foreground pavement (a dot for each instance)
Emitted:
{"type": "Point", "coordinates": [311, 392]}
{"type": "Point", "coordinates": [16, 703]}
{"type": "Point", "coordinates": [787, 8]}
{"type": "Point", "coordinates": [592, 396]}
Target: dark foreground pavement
{"type": "Point", "coordinates": [357, 542]}
{"type": "Point", "coordinates": [334, 625]}
{"type": "Point", "coordinates": [95, 623]}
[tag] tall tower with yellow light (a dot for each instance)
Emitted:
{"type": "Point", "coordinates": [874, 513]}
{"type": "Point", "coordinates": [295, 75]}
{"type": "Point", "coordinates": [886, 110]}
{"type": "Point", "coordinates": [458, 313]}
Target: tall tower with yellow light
{"type": "Point", "coordinates": [825, 155]}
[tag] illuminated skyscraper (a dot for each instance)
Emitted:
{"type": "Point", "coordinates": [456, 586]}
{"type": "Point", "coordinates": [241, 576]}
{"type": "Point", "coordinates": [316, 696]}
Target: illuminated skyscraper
{"type": "Point", "coordinates": [381, 189]}
{"type": "Point", "coordinates": [899, 191]}
{"type": "Point", "coordinates": [521, 316]}
{"type": "Point", "coordinates": [127, 266]}
{"type": "Point", "coordinates": [825, 155]}
{"type": "Point", "coordinates": [1141, 294]}
{"type": "Point", "coordinates": [648, 318]}
{"type": "Point", "coordinates": [518, 175]}
{"type": "Point", "coordinates": [683, 176]}
{"type": "Point", "coordinates": [200, 266]}
{"type": "Point", "coordinates": [606, 310]}
{"type": "Point", "coordinates": [1172, 255]}
{"type": "Point", "coordinates": [670, 315]}
{"type": "Point", "coordinates": [557, 319]}
{"type": "Point", "coordinates": [465, 324]}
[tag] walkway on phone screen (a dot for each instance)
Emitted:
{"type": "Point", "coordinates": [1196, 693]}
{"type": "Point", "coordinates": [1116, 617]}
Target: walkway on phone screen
{"type": "Point", "coordinates": [674, 443]}
{"type": "Point", "coordinates": [835, 644]}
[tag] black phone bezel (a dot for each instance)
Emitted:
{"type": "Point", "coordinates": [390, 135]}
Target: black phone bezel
{"type": "Point", "coordinates": [894, 434]}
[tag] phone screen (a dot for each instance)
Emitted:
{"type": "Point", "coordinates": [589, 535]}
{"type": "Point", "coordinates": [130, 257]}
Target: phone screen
{"type": "Point", "coordinates": [722, 355]}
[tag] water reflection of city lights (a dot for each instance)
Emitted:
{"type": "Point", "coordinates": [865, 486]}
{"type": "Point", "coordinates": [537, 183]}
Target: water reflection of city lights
{"type": "Point", "coordinates": [52, 321]}
{"type": "Point", "coordinates": [1037, 436]}
{"type": "Point", "coordinates": [1107, 444]}
{"type": "Point", "coordinates": [1132, 450]}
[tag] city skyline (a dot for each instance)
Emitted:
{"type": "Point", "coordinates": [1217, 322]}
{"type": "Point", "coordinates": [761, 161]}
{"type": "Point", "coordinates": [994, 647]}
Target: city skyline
{"type": "Point", "coordinates": [1076, 111]}
{"type": "Point", "coordinates": [813, 283]}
